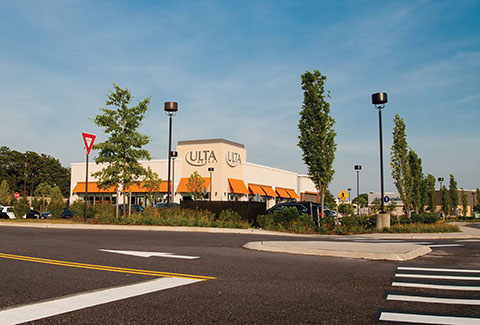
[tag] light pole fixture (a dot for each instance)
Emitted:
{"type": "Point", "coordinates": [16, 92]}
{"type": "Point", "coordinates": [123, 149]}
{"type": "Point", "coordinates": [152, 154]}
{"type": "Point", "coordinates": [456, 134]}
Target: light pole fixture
{"type": "Point", "coordinates": [440, 180]}
{"type": "Point", "coordinates": [357, 169]}
{"type": "Point", "coordinates": [379, 100]}
{"type": "Point", "coordinates": [171, 109]}
{"type": "Point", "coordinates": [174, 155]}
{"type": "Point", "coordinates": [210, 169]}
{"type": "Point", "coordinates": [349, 197]}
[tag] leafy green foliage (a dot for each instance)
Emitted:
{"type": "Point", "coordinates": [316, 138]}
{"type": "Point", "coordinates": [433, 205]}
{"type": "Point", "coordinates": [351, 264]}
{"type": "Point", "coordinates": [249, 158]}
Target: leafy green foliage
{"type": "Point", "coordinates": [152, 185]}
{"type": "Point", "coordinates": [401, 171]}
{"type": "Point", "coordinates": [123, 148]}
{"type": "Point", "coordinates": [453, 194]}
{"type": "Point", "coordinates": [195, 185]}
{"type": "Point", "coordinates": [346, 209]}
{"type": "Point", "coordinates": [287, 219]}
{"type": "Point", "coordinates": [43, 191]}
{"type": "Point", "coordinates": [21, 207]}
{"type": "Point", "coordinates": [6, 195]}
{"type": "Point", "coordinates": [430, 192]}
{"type": "Point", "coordinates": [56, 204]}
{"type": "Point", "coordinates": [78, 209]}
{"type": "Point", "coordinates": [231, 219]}
{"type": "Point", "coordinates": [24, 171]}
{"type": "Point", "coordinates": [361, 200]}
{"type": "Point", "coordinates": [418, 183]}
{"type": "Point", "coordinates": [445, 201]}
{"type": "Point", "coordinates": [317, 135]}
{"type": "Point", "coordinates": [477, 200]}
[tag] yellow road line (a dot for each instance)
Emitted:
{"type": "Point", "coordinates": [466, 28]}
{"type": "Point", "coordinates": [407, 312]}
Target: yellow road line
{"type": "Point", "coordinates": [105, 268]}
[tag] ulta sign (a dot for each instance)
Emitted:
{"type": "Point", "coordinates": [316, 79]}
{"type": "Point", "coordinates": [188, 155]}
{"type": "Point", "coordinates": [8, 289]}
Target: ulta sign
{"type": "Point", "coordinates": [233, 158]}
{"type": "Point", "coordinates": [200, 157]}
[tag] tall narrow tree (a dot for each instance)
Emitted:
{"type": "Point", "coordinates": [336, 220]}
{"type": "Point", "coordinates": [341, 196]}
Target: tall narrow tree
{"type": "Point", "coordinates": [399, 162]}
{"type": "Point", "coordinates": [123, 148]}
{"type": "Point", "coordinates": [453, 194]}
{"type": "Point", "coordinates": [317, 135]}
{"type": "Point", "coordinates": [417, 195]}
{"type": "Point", "coordinates": [430, 192]}
{"type": "Point", "coordinates": [445, 202]}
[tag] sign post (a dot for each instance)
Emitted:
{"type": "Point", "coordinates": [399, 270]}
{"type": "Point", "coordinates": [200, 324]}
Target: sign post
{"type": "Point", "coordinates": [88, 140]}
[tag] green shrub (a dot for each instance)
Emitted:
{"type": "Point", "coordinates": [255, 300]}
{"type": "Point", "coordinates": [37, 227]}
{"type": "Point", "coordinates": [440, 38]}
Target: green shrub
{"type": "Point", "coordinates": [231, 219]}
{"type": "Point", "coordinates": [78, 208]}
{"type": "Point", "coordinates": [104, 211]}
{"type": "Point", "coordinates": [56, 204]}
{"type": "Point", "coordinates": [423, 228]}
{"type": "Point", "coordinates": [287, 219]}
{"type": "Point", "coordinates": [21, 207]}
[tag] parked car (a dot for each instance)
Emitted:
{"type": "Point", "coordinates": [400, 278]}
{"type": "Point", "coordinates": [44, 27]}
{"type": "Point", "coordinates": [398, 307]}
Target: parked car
{"type": "Point", "coordinates": [32, 214]}
{"type": "Point", "coordinates": [67, 213]}
{"type": "Point", "coordinates": [303, 207]}
{"type": "Point", "coordinates": [6, 213]}
{"type": "Point", "coordinates": [166, 205]}
{"type": "Point", "coordinates": [135, 208]}
{"type": "Point", "coordinates": [45, 215]}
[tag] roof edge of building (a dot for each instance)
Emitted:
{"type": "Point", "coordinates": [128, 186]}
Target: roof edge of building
{"type": "Point", "coordinates": [204, 141]}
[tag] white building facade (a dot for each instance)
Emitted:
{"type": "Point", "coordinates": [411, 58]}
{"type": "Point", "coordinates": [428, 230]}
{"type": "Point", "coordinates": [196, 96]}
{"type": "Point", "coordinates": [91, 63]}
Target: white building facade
{"type": "Point", "coordinates": [232, 178]}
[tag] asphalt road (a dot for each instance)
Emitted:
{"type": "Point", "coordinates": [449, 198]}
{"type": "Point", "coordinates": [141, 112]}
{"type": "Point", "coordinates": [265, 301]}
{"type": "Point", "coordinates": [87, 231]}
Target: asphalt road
{"type": "Point", "coordinates": [248, 286]}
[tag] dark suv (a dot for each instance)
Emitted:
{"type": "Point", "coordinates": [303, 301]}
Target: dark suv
{"type": "Point", "coordinates": [303, 207]}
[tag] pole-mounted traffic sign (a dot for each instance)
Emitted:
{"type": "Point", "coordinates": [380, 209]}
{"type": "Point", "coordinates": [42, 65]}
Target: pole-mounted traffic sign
{"type": "Point", "coordinates": [88, 140]}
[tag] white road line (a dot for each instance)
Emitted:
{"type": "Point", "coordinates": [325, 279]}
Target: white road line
{"type": "Point", "coordinates": [447, 245]}
{"type": "Point", "coordinates": [435, 300]}
{"type": "Point", "coordinates": [409, 268]}
{"type": "Point", "coordinates": [468, 240]}
{"type": "Point", "coordinates": [435, 286]}
{"type": "Point", "coordinates": [149, 254]}
{"type": "Point", "coordinates": [428, 319]}
{"type": "Point", "coordinates": [440, 277]}
{"type": "Point", "coordinates": [50, 308]}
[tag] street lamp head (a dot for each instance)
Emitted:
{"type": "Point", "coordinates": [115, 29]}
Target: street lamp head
{"type": "Point", "coordinates": [173, 154]}
{"type": "Point", "coordinates": [210, 169]}
{"type": "Point", "coordinates": [349, 189]}
{"type": "Point", "coordinates": [171, 108]}
{"type": "Point", "coordinates": [357, 167]}
{"type": "Point", "coordinates": [440, 179]}
{"type": "Point", "coordinates": [379, 98]}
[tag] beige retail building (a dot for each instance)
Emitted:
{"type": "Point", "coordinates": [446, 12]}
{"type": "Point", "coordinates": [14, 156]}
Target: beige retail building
{"type": "Point", "coordinates": [232, 178]}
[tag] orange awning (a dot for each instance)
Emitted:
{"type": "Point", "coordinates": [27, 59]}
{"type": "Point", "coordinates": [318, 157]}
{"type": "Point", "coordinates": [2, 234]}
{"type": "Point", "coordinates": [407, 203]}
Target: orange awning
{"type": "Point", "coordinates": [256, 189]}
{"type": "Point", "coordinates": [269, 191]}
{"type": "Point", "coordinates": [182, 186]}
{"type": "Point", "coordinates": [292, 193]}
{"type": "Point", "coordinates": [92, 188]}
{"type": "Point", "coordinates": [237, 186]}
{"type": "Point", "coordinates": [140, 188]}
{"type": "Point", "coordinates": [282, 192]}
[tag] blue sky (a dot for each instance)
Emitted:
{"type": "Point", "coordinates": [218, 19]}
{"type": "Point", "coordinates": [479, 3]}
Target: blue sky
{"type": "Point", "coordinates": [234, 68]}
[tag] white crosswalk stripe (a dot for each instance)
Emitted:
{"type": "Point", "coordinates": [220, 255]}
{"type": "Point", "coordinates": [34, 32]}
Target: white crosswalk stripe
{"type": "Point", "coordinates": [435, 279]}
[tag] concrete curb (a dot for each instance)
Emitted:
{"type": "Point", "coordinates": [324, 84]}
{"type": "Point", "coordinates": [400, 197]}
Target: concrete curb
{"type": "Point", "coordinates": [467, 232]}
{"type": "Point", "coordinates": [369, 251]}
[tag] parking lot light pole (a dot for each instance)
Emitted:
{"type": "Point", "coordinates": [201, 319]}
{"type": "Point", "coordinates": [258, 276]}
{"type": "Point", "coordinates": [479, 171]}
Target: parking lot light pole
{"type": "Point", "coordinates": [440, 180]}
{"type": "Point", "coordinates": [349, 195]}
{"type": "Point", "coordinates": [174, 155]}
{"type": "Point", "coordinates": [210, 169]}
{"type": "Point", "coordinates": [357, 169]}
{"type": "Point", "coordinates": [171, 109]}
{"type": "Point", "coordinates": [379, 100]}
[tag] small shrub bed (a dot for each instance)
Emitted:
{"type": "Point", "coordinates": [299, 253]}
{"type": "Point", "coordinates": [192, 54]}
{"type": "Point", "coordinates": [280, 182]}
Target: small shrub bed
{"type": "Point", "coordinates": [287, 220]}
{"type": "Point", "coordinates": [422, 228]}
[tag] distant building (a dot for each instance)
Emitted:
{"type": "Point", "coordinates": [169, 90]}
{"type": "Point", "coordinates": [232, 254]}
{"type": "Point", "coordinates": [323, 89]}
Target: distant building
{"type": "Point", "coordinates": [233, 178]}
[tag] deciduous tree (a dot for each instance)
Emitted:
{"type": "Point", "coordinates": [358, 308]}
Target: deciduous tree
{"type": "Point", "coordinates": [6, 195]}
{"type": "Point", "coordinates": [195, 185]}
{"type": "Point", "coordinates": [445, 202]}
{"type": "Point", "coordinates": [317, 135]}
{"type": "Point", "coordinates": [123, 148]}
{"type": "Point", "coordinates": [453, 194]}
{"type": "Point", "coordinates": [401, 172]}
{"type": "Point", "coordinates": [43, 191]}
{"type": "Point", "coordinates": [418, 181]}
{"type": "Point", "coordinates": [430, 192]}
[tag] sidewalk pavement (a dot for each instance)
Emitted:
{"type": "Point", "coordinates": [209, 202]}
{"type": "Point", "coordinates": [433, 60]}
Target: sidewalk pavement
{"type": "Point", "coordinates": [372, 251]}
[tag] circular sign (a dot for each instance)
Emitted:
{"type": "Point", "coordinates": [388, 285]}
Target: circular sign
{"type": "Point", "coordinates": [17, 195]}
{"type": "Point", "coordinates": [386, 199]}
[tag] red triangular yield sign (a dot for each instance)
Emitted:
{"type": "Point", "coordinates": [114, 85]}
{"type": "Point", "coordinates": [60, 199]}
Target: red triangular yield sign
{"type": "Point", "coordinates": [88, 139]}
